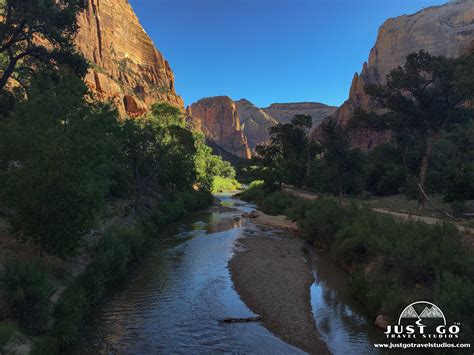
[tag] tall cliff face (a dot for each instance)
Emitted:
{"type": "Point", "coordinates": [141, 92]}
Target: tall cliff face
{"type": "Point", "coordinates": [283, 113]}
{"type": "Point", "coordinates": [218, 119]}
{"type": "Point", "coordinates": [125, 65]}
{"type": "Point", "coordinates": [446, 30]}
{"type": "Point", "coordinates": [255, 122]}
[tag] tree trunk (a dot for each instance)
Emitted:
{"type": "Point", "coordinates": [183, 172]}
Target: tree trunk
{"type": "Point", "coordinates": [341, 193]}
{"type": "Point", "coordinates": [424, 170]}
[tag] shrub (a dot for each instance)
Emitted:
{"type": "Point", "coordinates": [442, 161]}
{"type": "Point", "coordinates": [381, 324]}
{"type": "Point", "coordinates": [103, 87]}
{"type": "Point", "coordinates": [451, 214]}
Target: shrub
{"type": "Point", "coordinates": [28, 286]}
{"type": "Point", "coordinates": [7, 330]}
{"type": "Point", "coordinates": [453, 295]}
{"type": "Point", "coordinates": [222, 184]}
{"type": "Point", "coordinates": [389, 256]}
{"type": "Point", "coordinates": [278, 203]}
{"type": "Point", "coordinates": [254, 193]}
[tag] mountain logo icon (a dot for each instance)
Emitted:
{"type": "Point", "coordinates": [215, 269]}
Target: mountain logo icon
{"type": "Point", "coordinates": [427, 310]}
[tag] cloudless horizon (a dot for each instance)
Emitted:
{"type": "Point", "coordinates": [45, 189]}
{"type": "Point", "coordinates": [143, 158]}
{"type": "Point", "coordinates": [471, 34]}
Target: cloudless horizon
{"type": "Point", "coordinates": [268, 51]}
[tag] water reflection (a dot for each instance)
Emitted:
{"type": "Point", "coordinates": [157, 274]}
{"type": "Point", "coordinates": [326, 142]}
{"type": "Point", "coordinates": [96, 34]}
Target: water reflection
{"type": "Point", "coordinates": [173, 302]}
{"type": "Point", "coordinates": [342, 322]}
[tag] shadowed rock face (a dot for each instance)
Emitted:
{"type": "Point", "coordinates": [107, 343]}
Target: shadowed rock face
{"type": "Point", "coordinates": [218, 119]}
{"type": "Point", "coordinates": [283, 113]}
{"type": "Point", "coordinates": [255, 122]}
{"type": "Point", "coordinates": [446, 30]}
{"type": "Point", "coordinates": [125, 65]}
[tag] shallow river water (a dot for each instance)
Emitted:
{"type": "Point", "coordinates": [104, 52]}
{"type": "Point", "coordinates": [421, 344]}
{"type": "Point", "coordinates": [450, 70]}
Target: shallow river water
{"type": "Point", "coordinates": [173, 300]}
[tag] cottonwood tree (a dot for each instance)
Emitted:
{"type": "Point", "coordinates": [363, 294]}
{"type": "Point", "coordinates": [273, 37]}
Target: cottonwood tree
{"type": "Point", "coordinates": [286, 158]}
{"type": "Point", "coordinates": [34, 32]}
{"type": "Point", "coordinates": [420, 102]}
{"type": "Point", "coordinates": [62, 145]}
{"type": "Point", "coordinates": [338, 161]}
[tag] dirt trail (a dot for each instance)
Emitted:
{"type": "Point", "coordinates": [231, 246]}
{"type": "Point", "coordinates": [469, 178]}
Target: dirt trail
{"type": "Point", "coordinates": [403, 216]}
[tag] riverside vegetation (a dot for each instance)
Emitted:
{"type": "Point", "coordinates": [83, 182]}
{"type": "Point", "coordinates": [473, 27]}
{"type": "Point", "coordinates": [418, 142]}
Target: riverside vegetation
{"type": "Point", "coordinates": [65, 160]}
{"type": "Point", "coordinates": [392, 263]}
{"type": "Point", "coordinates": [431, 149]}
{"type": "Point", "coordinates": [425, 109]}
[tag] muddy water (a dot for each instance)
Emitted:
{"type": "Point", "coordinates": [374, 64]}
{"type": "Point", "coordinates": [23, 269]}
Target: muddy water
{"type": "Point", "coordinates": [173, 301]}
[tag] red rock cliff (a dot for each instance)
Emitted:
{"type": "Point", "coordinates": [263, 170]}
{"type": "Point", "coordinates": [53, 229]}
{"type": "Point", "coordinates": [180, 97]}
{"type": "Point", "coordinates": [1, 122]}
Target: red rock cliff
{"type": "Point", "coordinates": [446, 30]}
{"type": "Point", "coordinates": [125, 65]}
{"type": "Point", "coordinates": [218, 119]}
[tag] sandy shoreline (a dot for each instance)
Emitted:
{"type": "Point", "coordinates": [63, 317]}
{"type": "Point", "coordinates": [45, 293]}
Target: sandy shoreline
{"type": "Point", "coordinates": [273, 279]}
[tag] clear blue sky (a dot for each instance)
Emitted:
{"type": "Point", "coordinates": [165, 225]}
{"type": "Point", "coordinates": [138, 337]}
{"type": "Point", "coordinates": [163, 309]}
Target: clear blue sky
{"type": "Point", "coordinates": [267, 50]}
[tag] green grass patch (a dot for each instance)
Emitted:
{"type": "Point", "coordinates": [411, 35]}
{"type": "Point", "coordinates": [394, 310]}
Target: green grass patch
{"type": "Point", "coordinates": [223, 184]}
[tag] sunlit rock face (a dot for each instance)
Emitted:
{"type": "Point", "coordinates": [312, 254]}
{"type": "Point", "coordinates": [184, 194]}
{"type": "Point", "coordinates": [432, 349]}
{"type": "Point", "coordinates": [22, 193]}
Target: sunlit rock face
{"type": "Point", "coordinates": [446, 30]}
{"type": "Point", "coordinates": [255, 123]}
{"type": "Point", "coordinates": [125, 65]}
{"type": "Point", "coordinates": [218, 119]}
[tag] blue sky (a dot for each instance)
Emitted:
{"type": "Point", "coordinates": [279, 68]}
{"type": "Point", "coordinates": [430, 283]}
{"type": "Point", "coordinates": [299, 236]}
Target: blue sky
{"type": "Point", "coordinates": [267, 50]}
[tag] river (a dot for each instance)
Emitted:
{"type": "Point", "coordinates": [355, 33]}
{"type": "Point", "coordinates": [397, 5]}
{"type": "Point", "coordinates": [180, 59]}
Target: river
{"type": "Point", "coordinates": [173, 300]}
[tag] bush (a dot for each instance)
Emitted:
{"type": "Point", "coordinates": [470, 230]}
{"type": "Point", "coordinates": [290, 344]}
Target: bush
{"type": "Point", "coordinates": [28, 286]}
{"type": "Point", "coordinates": [254, 193]}
{"type": "Point", "coordinates": [278, 203]}
{"type": "Point", "coordinates": [388, 257]}
{"type": "Point", "coordinates": [453, 295]}
{"type": "Point", "coordinates": [7, 330]}
{"type": "Point", "coordinates": [222, 184]}
{"type": "Point", "coordinates": [114, 253]}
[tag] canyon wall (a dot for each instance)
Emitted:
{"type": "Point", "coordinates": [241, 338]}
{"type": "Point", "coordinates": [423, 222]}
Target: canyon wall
{"type": "Point", "coordinates": [125, 65]}
{"type": "Point", "coordinates": [218, 119]}
{"type": "Point", "coordinates": [283, 113]}
{"type": "Point", "coordinates": [446, 30]}
{"type": "Point", "coordinates": [255, 123]}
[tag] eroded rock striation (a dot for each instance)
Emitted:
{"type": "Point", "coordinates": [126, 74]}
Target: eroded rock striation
{"type": "Point", "coordinates": [255, 123]}
{"type": "Point", "coordinates": [218, 119]}
{"type": "Point", "coordinates": [125, 65]}
{"type": "Point", "coordinates": [446, 30]}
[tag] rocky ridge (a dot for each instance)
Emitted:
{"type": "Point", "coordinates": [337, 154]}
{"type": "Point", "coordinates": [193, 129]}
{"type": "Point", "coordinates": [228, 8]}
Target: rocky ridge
{"type": "Point", "coordinates": [125, 65]}
{"type": "Point", "coordinates": [446, 30]}
{"type": "Point", "coordinates": [255, 122]}
{"type": "Point", "coordinates": [284, 112]}
{"type": "Point", "coordinates": [218, 119]}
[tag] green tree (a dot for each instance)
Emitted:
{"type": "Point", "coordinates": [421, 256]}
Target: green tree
{"type": "Point", "coordinates": [209, 165]}
{"type": "Point", "coordinates": [421, 101]}
{"type": "Point", "coordinates": [286, 159]}
{"type": "Point", "coordinates": [160, 152]}
{"type": "Point", "coordinates": [341, 165]}
{"type": "Point", "coordinates": [59, 145]}
{"type": "Point", "coordinates": [36, 32]}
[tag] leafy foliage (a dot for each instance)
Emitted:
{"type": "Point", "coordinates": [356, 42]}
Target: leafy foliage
{"type": "Point", "coordinates": [37, 33]}
{"type": "Point", "coordinates": [286, 159]}
{"type": "Point", "coordinates": [63, 146]}
{"type": "Point", "coordinates": [390, 261]}
{"type": "Point", "coordinates": [28, 286]}
{"type": "Point", "coordinates": [422, 100]}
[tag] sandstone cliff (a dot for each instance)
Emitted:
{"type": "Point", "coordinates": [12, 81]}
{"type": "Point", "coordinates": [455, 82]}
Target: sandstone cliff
{"type": "Point", "coordinates": [283, 113]}
{"type": "Point", "coordinates": [255, 122]}
{"type": "Point", "coordinates": [446, 30]}
{"type": "Point", "coordinates": [218, 119]}
{"type": "Point", "coordinates": [125, 65]}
